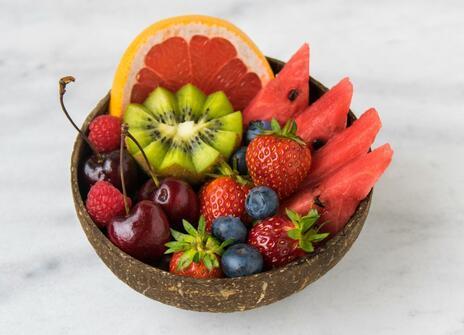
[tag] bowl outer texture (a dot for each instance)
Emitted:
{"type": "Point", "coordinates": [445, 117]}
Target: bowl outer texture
{"type": "Point", "coordinates": [215, 295]}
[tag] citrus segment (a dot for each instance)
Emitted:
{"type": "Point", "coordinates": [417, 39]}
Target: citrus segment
{"type": "Point", "coordinates": [170, 61]}
{"type": "Point", "coordinates": [208, 56]}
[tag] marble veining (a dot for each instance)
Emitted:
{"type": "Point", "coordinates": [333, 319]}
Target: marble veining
{"type": "Point", "coordinates": [405, 273]}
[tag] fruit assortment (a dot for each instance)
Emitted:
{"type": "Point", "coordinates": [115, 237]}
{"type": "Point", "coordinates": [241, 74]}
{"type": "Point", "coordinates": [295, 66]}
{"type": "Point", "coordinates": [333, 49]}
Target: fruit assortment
{"type": "Point", "coordinates": [210, 164]}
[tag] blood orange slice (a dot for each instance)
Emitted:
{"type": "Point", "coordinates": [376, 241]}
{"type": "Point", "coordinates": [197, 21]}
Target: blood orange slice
{"type": "Point", "coordinates": [208, 52]}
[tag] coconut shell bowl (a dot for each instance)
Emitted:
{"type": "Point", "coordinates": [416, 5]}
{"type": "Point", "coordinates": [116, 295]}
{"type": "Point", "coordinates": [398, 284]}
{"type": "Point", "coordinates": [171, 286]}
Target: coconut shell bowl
{"type": "Point", "coordinates": [223, 294]}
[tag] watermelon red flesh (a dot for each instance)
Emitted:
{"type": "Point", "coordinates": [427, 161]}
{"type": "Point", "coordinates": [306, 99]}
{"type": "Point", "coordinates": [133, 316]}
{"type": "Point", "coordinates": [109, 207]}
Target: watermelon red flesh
{"type": "Point", "coordinates": [341, 192]}
{"type": "Point", "coordinates": [327, 116]}
{"type": "Point", "coordinates": [211, 64]}
{"type": "Point", "coordinates": [347, 145]}
{"type": "Point", "coordinates": [300, 202]}
{"type": "Point", "coordinates": [273, 100]}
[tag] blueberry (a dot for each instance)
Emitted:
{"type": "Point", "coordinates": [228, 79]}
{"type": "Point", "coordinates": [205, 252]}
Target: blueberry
{"type": "Point", "coordinates": [238, 159]}
{"type": "Point", "coordinates": [262, 202]}
{"type": "Point", "coordinates": [241, 260]}
{"type": "Point", "coordinates": [255, 128]}
{"type": "Point", "coordinates": [229, 227]}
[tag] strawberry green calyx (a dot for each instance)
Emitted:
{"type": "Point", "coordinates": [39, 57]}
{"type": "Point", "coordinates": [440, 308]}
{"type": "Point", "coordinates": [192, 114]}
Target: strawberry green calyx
{"type": "Point", "coordinates": [288, 130]}
{"type": "Point", "coordinates": [196, 246]}
{"type": "Point", "coordinates": [304, 231]}
{"type": "Point", "coordinates": [226, 170]}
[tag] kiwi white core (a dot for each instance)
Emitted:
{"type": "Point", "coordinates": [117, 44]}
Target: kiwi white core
{"type": "Point", "coordinates": [187, 130]}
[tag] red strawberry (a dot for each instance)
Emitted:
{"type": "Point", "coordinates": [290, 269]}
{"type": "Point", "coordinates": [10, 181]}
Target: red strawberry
{"type": "Point", "coordinates": [224, 196]}
{"type": "Point", "coordinates": [197, 253]}
{"type": "Point", "coordinates": [195, 270]}
{"type": "Point", "coordinates": [282, 239]}
{"type": "Point", "coordinates": [105, 133]}
{"type": "Point", "coordinates": [279, 159]}
{"type": "Point", "coordinates": [104, 202]}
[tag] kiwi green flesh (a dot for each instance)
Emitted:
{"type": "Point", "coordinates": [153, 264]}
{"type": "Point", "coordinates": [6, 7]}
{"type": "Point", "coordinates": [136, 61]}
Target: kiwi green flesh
{"type": "Point", "coordinates": [224, 141]}
{"type": "Point", "coordinates": [138, 116]}
{"type": "Point", "coordinates": [216, 105]}
{"type": "Point", "coordinates": [155, 152]}
{"type": "Point", "coordinates": [163, 106]}
{"type": "Point", "coordinates": [184, 134]}
{"type": "Point", "coordinates": [143, 137]}
{"type": "Point", "coordinates": [232, 122]}
{"type": "Point", "coordinates": [190, 102]}
{"type": "Point", "coordinates": [204, 156]}
{"type": "Point", "coordinates": [177, 163]}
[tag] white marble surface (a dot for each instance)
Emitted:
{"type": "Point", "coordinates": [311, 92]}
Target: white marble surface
{"type": "Point", "coordinates": [405, 275]}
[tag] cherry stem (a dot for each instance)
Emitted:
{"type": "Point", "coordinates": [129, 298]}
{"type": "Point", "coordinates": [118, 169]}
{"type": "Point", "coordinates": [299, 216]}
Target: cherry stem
{"type": "Point", "coordinates": [125, 131]}
{"type": "Point", "coordinates": [121, 171]}
{"type": "Point", "coordinates": [62, 89]}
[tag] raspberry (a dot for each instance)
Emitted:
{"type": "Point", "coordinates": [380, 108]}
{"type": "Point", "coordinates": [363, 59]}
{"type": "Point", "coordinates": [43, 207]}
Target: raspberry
{"type": "Point", "coordinates": [105, 133]}
{"type": "Point", "coordinates": [104, 202]}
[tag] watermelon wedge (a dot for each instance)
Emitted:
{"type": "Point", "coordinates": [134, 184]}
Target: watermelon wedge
{"type": "Point", "coordinates": [341, 192]}
{"type": "Point", "coordinates": [347, 145]}
{"type": "Point", "coordinates": [327, 116]}
{"type": "Point", "coordinates": [284, 96]}
{"type": "Point", "coordinates": [300, 202]}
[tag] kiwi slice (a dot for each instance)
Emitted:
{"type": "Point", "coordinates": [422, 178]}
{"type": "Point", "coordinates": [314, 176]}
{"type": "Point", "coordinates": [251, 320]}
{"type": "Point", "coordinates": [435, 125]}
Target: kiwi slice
{"type": "Point", "coordinates": [183, 134]}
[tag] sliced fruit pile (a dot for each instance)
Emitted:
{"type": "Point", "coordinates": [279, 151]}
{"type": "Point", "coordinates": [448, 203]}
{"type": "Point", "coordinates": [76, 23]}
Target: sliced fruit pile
{"type": "Point", "coordinates": [172, 182]}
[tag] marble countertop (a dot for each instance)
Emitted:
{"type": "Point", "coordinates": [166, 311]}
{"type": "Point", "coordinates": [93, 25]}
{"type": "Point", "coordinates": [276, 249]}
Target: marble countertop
{"type": "Point", "coordinates": [405, 274]}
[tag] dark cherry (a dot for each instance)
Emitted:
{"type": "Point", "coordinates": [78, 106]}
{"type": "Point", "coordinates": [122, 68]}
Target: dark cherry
{"type": "Point", "coordinates": [176, 197]}
{"type": "Point", "coordinates": [93, 170]}
{"type": "Point", "coordinates": [147, 191]}
{"type": "Point", "coordinates": [143, 233]}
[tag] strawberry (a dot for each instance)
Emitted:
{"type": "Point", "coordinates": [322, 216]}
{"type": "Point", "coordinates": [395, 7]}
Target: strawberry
{"type": "Point", "coordinates": [195, 270]}
{"type": "Point", "coordinates": [197, 253]}
{"type": "Point", "coordinates": [282, 239]}
{"type": "Point", "coordinates": [279, 159]}
{"type": "Point", "coordinates": [224, 196]}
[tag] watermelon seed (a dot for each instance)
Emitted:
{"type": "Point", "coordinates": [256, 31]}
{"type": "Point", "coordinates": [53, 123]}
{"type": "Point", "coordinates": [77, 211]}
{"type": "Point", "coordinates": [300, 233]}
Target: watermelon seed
{"type": "Point", "coordinates": [293, 94]}
{"type": "Point", "coordinates": [318, 202]}
{"type": "Point", "coordinates": [317, 144]}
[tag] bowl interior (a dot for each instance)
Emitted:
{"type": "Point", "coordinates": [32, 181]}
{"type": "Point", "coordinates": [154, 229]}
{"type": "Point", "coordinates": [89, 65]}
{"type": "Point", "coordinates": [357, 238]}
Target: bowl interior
{"type": "Point", "coordinates": [222, 294]}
